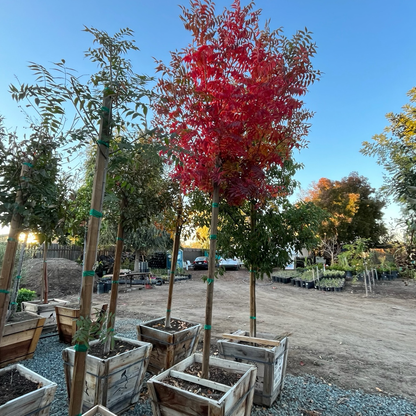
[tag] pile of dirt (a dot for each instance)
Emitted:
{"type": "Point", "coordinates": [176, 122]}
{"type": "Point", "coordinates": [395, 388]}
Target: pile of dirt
{"type": "Point", "coordinates": [64, 276]}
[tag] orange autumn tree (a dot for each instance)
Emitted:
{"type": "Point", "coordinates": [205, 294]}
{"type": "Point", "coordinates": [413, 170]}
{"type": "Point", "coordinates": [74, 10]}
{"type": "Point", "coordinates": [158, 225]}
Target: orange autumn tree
{"type": "Point", "coordinates": [354, 211]}
{"type": "Point", "coordinates": [230, 110]}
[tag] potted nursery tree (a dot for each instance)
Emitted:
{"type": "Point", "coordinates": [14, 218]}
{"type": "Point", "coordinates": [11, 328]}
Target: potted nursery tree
{"type": "Point", "coordinates": [276, 229]}
{"type": "Point", "coordinates": [226, 114]}
{"type": "Point", "coordinates": [173, 339]}
{"type": "Point", "coordinates": [23, 210]}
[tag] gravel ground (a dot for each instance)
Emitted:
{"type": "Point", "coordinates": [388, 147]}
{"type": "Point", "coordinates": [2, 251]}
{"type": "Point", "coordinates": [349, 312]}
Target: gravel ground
{"type": "Point", "coordinates": [305, 395]}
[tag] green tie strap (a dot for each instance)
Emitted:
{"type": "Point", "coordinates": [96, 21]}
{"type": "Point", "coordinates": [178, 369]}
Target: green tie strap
{"type": "Point", "coordinates": [168, 310]}
{"type": "Point", "coordinates": [105, 109]}
{"type": "Point", "coordinates": [208, 327]}
{"type": "Point", "coordinates": [106, 144]}
{"type": "Point", "coordinates": [27, 164]}
{"type": "Point", "coordinates": [4, 291]}
{"type": "Point", "coordinates": [88, 273]}
{"type": "Point", "coordinates": [115, 282]}
{"type": "Point", "coordinates": [209, 281]}
{"type": "Point", "coordinates": [18, 276]}
{"type": "Point", "coordinates": [213, 237]}
{"type": "Point", "coordinates": [95, 213]}
{"type": "Point", "coordinates": [215, 204]}
{"type": "Point", "coordinates": [80, 348]}
{"type": "Point", "coordinates": [11, 239]}
{"type": "Point", "coordinates": [120, 239]}
{"type": "Point", "coordinates": [252, 317]}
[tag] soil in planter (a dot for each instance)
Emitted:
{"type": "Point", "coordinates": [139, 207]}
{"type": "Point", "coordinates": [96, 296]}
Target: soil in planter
{"type": "Point", "coordinates": [194, 388]}
{"type": "Point", "coordinates": [216, 374]}
{"type": "Point", "coordinates": [21, 317]}
{"type": "Point", "coordinates": [176, 325]}
{"type": "Point", "coordinates": [97, 350]}
{"type": "Point", "coordinates": [14, 385]}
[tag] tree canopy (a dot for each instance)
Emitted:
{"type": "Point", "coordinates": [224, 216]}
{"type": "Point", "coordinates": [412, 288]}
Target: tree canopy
{"type": "Point", "coordinates": [354, 209]}
{"type": "Point", "coordinates": [395, 150]}
{"type": "Point", "coordinates": [230, 101]}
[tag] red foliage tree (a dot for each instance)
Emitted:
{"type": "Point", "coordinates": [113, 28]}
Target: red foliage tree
{"type": "Point", "coordinates": [230, 103]}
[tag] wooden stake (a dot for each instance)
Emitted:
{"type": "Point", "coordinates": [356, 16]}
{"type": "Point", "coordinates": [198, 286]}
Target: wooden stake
{"type": "Point", "coordinates": [115, 283]}
{"type": "Point", "coordinates": [210, 282]}
{"type": "Point", "coordinates": [253, 280]}
{"type": "Point", "coordinates": [11, 248]}
{"type": "Point", "coordinates": [369, 279]}
{"type": "Point", "coordinates": [365, 284]}
{"type": "Point", "coordinates": [78, 380]}
{"type": "Point", "coordinates": [45, 283]}
{"type": "Point", "coordinates": [16, 283]}
{"type": "Point", "coordinates": [174, 259]}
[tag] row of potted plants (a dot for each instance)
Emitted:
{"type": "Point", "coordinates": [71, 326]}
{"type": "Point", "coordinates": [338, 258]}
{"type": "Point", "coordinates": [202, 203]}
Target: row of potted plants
{"type": "Point", "coordinates": [333, 284]}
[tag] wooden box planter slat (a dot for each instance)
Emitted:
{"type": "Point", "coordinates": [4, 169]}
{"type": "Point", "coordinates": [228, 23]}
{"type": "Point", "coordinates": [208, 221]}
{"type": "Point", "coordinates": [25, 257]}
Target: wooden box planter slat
{"type": "Point", "coordinates": [270, 360]}
{"type": "Point", "coordinates": [34, 403]}
{"type": "Point", "coordinates": [169, 348]}
{"type": "Point", "coordinates": [47, 310]}
{"type": "Point", "coordinates": [113, 382]}
{"type": "Point", "coordinates": [20, 338]}
{"type": "Point", "coordinates": [66, 318]}
{"type": "Point", "coordinates": [169, 400]}
{"type": "Point", "coordinates": [99, 410]}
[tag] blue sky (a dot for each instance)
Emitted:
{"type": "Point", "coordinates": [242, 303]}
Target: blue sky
{"type": "Point", "coordinates": [366, 50]}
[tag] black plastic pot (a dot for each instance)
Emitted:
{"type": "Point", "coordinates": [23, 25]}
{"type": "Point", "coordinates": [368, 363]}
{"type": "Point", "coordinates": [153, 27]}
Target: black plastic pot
{"type": "Point", "coordinates": [309, 285]}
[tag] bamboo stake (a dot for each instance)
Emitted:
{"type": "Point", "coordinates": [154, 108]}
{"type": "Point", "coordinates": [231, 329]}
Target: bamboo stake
{"type": "Point", "coordinates": [78, 380]}
{"type": "Point", "coordinates": [210, 282]}
{"type": "Point", "coordinates": [365, 284]}
{"type": "Point", "coordinates": [45, 283]}
{"type": "Point", "coordinates": [16, 283]}
{"type": "Point", "coordinates": [115, 283]}
{"type": "Point", "coordinates": [253, 327]}
{"type": "Point", "coordinates": [175, 251]}
{"type": "Point", "coordinates": [369, 279]}
{"type": "Point", "coordinates": [11, 248]}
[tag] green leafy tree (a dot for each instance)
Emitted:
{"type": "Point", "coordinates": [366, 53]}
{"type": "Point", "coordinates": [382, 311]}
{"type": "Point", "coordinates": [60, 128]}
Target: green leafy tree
{"type": "Point", "coordinates": [395, 150]}
{"type": "Point", "coordinates": [354, 211]}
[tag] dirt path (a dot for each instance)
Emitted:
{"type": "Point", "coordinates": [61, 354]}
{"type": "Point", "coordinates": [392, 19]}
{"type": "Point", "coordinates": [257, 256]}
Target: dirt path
{"type": "Point", "coordinates": [345, 338]}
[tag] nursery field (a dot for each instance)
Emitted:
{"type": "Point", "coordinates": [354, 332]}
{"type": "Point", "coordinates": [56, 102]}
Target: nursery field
{"type": "Point", "coordinates": [342, 337]}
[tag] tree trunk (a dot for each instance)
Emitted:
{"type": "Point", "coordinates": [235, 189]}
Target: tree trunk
{"type": "Point", "coordinates": [78, 380]}
{"type": "Point", "coordinates": [175, 251]}
{"type": "Point", "coordinates": [11, 247]}
{"type": "Point", "coordinates": [136, 260]}
{"type": "Point", "coordinates": [210, 282]}
{"type": "Point", "coordinates": [115, 283]}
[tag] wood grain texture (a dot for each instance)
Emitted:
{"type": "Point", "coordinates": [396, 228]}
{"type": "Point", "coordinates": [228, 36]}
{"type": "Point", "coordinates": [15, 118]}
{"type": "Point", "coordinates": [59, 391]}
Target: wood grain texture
{"type": "Point", "coordinates": [168, 348]}
{"type": "Point", "coordinates": [20, 339]}
{"type": "Point", "coordinates": [114, 382]}
{"type": "Point", "coordinates": [173, 401]}
{"type": "Point", "coordinates": [270, 362]}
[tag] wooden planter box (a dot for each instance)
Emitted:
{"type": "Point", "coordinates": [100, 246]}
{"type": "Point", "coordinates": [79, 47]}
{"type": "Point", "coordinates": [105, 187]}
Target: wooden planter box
{"type": "Point", "coordinates": [66, 320]}
{"type": "Point", "coordinates": [36, 402]}
{"type": "Point", "coordinates": [20, 338]}
{"type": "Point", "coordinates": [114, 382]}
{"type": "Point", "coordinates": [169, 348]}
{"type": "Point", "coordinates": [271, 361]}
{"type": "Point", "coordinates": [99, 410]}
{"type": "Point", "coordinates": [47, 310]}
{"type": "Point", "coordinates": [170, 400]}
